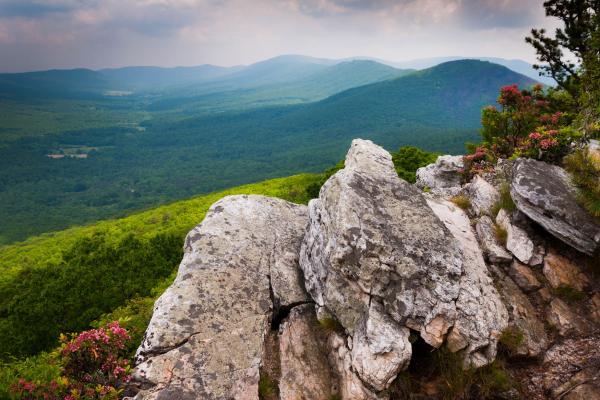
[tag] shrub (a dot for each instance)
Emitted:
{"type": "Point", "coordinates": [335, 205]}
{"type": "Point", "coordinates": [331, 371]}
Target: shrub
{"type": "Point", "coordinates": [584, 167]}
{"type": "Point", "coordinates": [92, 367]}
{"type": "Point", "coordinates": [569, 293]}
{"type": "Point", "coordinates": [461, 202]}
{"type": "Point", "coordinates": [408, 159]}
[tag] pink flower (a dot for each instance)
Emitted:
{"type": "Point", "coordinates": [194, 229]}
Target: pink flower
{"type": "Point", "coordinates": [535, 135]}
{"type": "Point", "coordinates": [545, 144]}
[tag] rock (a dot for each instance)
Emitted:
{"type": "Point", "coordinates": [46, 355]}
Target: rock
{"type": "Point", "coordinates": [350, 256]}
{"type": "Point", "coordinates": [350, 385]}
{"type": "Point", "coordinates": [517, 241]}
{"type": "Point", "coordinates": [492, 249]}
{"type": "Point", "coordinates": [443, 176]}
{"type": "Point", "coordinates": [523, 318]}
{"type": "Point", "coordinates": [205, 338]}
{"type": "Point", "coordinates": [305, 371]}
{"type": "Point", "coordinates": [481, 315]}
{"type": "Point", "coordinates": [545, 194]}
{"type": "Point", "coordinates": [524, 277]}
{"type": "Point", "coordinates": [538, 256]}
{"type": "Point", "coordinates": [482, 195]}
{"type": "Point", "coordinates": [379, 348]}
{"type": "Point", "coordinates": [560, 315]}
{"type": "Point", "coordinates": [373, 239]}
{"type": "Point", "coordinates": [560, 271]}
{"type": "Point", "coordinates": [566, 362]}
{"type": "Point", "coordinates": [584, 385]}
{"type": "Point", "coordinates": [595, 307]}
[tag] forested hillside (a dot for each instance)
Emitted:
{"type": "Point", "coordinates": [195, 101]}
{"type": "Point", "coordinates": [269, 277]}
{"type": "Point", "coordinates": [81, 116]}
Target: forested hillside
{"type": "Point", "coordinates": [109, 171]}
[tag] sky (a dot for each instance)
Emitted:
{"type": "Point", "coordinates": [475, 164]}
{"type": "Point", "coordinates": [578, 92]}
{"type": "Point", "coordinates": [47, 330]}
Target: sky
{"type": "Point", "coordinates": [45, 34]}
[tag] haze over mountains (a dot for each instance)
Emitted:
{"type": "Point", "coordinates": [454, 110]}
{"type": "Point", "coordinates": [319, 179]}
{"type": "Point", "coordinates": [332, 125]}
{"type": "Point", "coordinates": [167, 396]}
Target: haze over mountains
{"type": "Point", "coordinates": [80, 145]}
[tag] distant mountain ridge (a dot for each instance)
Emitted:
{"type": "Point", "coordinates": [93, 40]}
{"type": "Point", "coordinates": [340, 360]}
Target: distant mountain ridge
{"type": "Point", "coordinates": [293, 71]}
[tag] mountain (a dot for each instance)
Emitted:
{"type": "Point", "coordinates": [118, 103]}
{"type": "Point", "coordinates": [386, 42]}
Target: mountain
{"type": "Point", "coordinates": [53, 83]}
{"type": "Point", "coordinates": [519, 66]}
{"type": "Point", "coordinates": [171, 156]}
{"type": "Point", "coordinates": [323, 81]}
{"type": "Point", "coordinates": [135, 78]}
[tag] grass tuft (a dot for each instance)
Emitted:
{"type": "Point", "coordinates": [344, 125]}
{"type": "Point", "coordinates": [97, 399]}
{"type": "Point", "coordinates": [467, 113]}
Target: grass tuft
{"type": "Point", "coordinates": [461, 202]}
{"type": "Point", "coordinates": [510, 339]}
{"type": "Point", "coordinates": [501, 234]}
{"type": "Point", "coordinates": [505, 201]}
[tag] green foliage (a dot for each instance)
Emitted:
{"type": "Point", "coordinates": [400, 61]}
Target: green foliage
{"type": "Point", "coordinates": [41, 368]}
{"type": "Point", "coordinates": [510, 339]}
{"type": "Point", "coordinates": [461, 201]}
{"type": "Point", "coordinates": [505, 201]}
{"type": "Point", "coordinates": [146, 155]}
{"type": "Point", "coordinates": [96, 275]}
{"type": "Point", "coordinates": [267, 388]}
{"type": "Point", "coordinates": [458, 383]}
{"type": "Point", "coordinates": [408, 159]}
{"type": "Point", "coordinates": [584, 167]}
{"type": "Point", "coordinates": [62, 282]}
{"type": "Point", "coordinates": [312, 190]}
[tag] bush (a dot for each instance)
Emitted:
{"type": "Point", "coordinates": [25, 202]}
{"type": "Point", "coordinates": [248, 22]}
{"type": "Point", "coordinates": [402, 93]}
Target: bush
{"type": "Point", "coordinates": [584, 167]}
{"type": "Point", "coordinates": [501, 234]}
{"type": "Point", "coordinates": [510, 339]}
{"type": "Point", "coordinates": [408, 159]}
{"type": "Point", "coordinates": [92, 367]}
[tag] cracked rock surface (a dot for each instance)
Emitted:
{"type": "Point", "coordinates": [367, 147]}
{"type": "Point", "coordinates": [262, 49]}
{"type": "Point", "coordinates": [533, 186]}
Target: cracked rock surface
{"type": "Point", "coordinates": [205, 338]}
{"type": "Point", "coordinates": [545, 194]}
{"type": "Point", "coordinates": [376, 254]}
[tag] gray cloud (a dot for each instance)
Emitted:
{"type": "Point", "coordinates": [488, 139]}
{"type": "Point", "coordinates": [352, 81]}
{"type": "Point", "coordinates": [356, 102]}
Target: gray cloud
{"type": "Point", "coordinates": [39, 34]}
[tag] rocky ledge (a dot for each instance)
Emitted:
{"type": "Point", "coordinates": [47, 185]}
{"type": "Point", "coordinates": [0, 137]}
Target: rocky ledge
{"type": "Point", "coordinates": [330, 300]}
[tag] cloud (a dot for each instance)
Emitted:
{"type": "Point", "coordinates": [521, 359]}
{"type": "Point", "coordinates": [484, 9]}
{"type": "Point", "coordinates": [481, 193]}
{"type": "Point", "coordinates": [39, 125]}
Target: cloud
{"type": "Point", "coordinates": [38, 34]}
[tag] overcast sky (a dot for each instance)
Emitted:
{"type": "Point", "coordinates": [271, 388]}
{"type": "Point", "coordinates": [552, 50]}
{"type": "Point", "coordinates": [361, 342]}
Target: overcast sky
{"type": "Point", "coordinates": [43, 34]}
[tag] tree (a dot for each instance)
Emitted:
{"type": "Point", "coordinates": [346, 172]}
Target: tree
{"type": "Point", "coordinates": [578, 39]}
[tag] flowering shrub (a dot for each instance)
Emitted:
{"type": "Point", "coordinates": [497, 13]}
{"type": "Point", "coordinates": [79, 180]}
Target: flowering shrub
{"type": "Point", "coordinates": [549, 145]}
{"type": "Point", "coordinates": [93, 367]}
{"type": "Point", "coordinates": [526, 125]}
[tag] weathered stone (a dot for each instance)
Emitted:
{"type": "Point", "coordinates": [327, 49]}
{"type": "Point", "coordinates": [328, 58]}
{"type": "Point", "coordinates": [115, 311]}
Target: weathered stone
{"type": "Point", "coordinates": [560, 271]}
{"type": "Point", "coordinates": [584, 385]}
{"type": "Point", "coordinates": [350, 385]}
{"type": "Point", "coordinates": [443, 176]}
{"type": "Point", "coordinates": [493, 250]}
{"type": "Point", "coordinates": [379, 348]}
{"type": "Point", "coordinates": [482, 195]}
{"type": "Point", "coordinates": [481, 315]}
{"type": "Point", "coordinates": [524, 277]}
{"type": "Point", "coordinates": [560, 315]}
{"type": "Point", "coordinates": [538, 256]}
{"type": "Point", "coordinates": [545, 194]}
{"type": "Point", "coordinates": [205, 338]}
{"type": "Point", "coordinates": [517, 241]}
{"type": "Point", "coordinates": [522, 317]}
{"type": "Point", "coordinates": [373, 239]}
{"type": "Point", "coordinates": [305, 371]}
{"type": "Point", "coordinates": [595, 307]}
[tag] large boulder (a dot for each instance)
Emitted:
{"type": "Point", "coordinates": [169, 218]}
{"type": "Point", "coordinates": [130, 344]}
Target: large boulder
{"type": "Point", "coordinates": [482, 195]}
{"type": "Point", "coordinates": [517, 240]}
{"type": "Point", "coordinates": [381, 261]}
{"type": "Point", "coordinates": [443, 176]}
{"type": "Point", "coordinates": [545, 194]}
{"type": "Point", "coordinates": [205, 338]}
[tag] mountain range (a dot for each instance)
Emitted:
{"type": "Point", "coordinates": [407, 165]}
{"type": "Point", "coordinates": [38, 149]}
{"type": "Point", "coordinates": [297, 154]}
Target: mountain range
{"type": "Point", "coordinates": [87, 156]}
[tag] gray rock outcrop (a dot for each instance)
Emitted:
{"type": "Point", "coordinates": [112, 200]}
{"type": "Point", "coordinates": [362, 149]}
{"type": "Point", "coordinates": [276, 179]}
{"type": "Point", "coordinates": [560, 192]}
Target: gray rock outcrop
{"type": "Point", "coordinates": [492, 248]}
{"type": "Point", "coordinates": [205, 339]}
{"type": "Point", "coordinates": [517, 240]}
{"type": "Point", "coordinates": [376, 253]}
{"type": "Point", "coordinates": [482, 195]}
{"type": "Point", "coordinates": [545, 194]}
{"type": "Point", "coordinates": [442, 177]}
